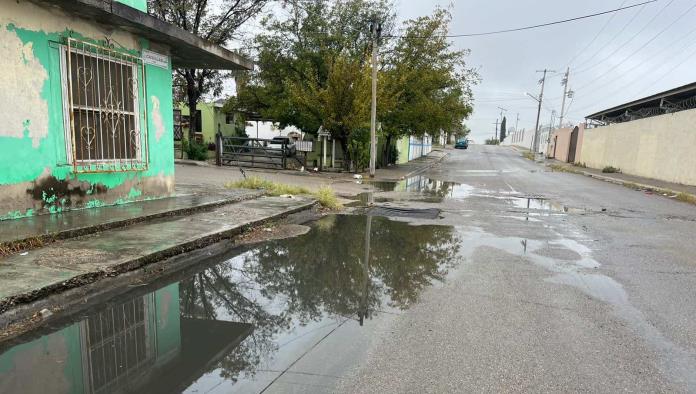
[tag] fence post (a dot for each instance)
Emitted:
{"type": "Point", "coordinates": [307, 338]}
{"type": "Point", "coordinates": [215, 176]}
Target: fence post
{"type": "Point", "coordinates": [218, 148]}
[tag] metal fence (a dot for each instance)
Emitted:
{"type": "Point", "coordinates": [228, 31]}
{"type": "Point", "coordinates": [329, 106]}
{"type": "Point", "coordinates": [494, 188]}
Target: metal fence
{"type": "Point", "coordinates": [252, 152]}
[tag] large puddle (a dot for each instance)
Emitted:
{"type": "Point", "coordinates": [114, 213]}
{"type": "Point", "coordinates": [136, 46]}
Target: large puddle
{"type": "Point", "coordinates": [240, 325]}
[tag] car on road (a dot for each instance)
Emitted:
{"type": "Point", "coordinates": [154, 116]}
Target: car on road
{"type": "Point", "coordinates": [462, 144]}
{"type": "Point", "coordinates": [279, 142]}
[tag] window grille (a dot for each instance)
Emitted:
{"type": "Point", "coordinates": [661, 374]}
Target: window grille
{"type": "Point", "coordinates": [108, 129]}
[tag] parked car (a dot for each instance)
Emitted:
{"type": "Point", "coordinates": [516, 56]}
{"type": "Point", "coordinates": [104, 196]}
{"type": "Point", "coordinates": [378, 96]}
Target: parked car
{"type": "Point", "coordinates": [462, 144]}
{"type": "Point", "coordinates": [277, 143]}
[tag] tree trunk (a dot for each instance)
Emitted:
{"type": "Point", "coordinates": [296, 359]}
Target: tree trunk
{"type": "Point", "coordinates": [386, 157]}
{"type": "Point", "coordinates": [192, 96]}
{"type": "Point", "coordinates": [346, 153]}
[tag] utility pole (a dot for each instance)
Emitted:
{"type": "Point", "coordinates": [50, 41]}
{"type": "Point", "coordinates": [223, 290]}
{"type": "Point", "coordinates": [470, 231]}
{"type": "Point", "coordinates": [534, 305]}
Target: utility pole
{"type": "Point", "coordinates": [376, 29]}
{"type": "Point", "coordinates": [501, 119]}
{"type": "Point", "coordinates": [517, 122]}
{"type": "Point", "coordinates": [495, 136]}
{"type": "Point", "coordinates": [535, 142]}
{"type": "Point", "coordinates": [565, 94]}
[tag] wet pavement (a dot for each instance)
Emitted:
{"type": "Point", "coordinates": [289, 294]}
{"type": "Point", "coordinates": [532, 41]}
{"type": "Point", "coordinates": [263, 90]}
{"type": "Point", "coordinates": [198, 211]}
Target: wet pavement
{"type": "Point", "coordinates": [523, 280]}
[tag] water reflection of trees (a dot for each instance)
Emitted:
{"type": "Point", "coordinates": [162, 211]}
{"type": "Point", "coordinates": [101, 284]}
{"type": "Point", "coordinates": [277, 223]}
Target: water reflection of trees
{"type": "Point", "coordinates": [220, 293]}
{"type": "Point", "coordinates": [319, 273]}
{"type": "Point", "coordinates": [323, 271]}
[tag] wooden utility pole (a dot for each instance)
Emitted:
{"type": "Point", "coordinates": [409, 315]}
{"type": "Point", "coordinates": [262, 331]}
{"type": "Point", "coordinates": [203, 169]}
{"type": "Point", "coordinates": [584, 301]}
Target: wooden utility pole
{"type": "Point", "coordinates": [376, 29]}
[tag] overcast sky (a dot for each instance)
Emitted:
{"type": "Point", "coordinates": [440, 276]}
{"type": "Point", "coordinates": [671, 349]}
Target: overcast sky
{"type": "Point", "coordinates": [640, 51]}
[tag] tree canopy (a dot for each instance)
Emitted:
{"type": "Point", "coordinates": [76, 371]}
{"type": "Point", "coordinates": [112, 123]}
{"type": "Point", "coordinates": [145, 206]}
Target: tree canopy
{"type": "Point", "coordinates": [314, 71]}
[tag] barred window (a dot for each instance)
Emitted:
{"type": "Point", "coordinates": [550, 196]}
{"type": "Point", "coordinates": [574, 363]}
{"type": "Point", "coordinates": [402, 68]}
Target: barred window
{"type": "Point", "coordinates": [103, 108]}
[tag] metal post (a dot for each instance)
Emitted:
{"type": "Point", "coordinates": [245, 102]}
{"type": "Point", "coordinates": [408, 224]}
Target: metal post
{"type": "Point", "coordinates": [218, 148]}
{"type": "Point", "coordinates": [376, 30]}
{"type": "Point", "coordinates": [333, 153]}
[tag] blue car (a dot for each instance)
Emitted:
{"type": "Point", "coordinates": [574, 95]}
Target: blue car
{"type": "Point", "coordinates": [462, 144]}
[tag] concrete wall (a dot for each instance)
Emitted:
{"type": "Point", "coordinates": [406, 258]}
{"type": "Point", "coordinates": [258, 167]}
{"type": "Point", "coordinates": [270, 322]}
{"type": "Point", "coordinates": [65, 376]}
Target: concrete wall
{"type": "Point", "coordinates": [211, 117]}
{"type": "Point", "coordinates": [35, 173]}
{"type": "Point", "coordinates": [559, 143]}
{"type": "Point", "coordinates": [524, 139]}
{"type": "Point", "coordinates": [659, 147]}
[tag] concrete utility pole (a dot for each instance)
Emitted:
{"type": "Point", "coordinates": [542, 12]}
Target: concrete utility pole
{"type": "Point", "coordinates": [501, 120]}
{"type": "Point", "coordinates": [535, 141]}
{"type": "Point", "coordinates": [517, 122]}
{"type": "Point", "coordinates": [565, 94]}
{"type": "Point", "coordinates": [376, 29]}
{"type": "Point", "coordinates": [495, 136]}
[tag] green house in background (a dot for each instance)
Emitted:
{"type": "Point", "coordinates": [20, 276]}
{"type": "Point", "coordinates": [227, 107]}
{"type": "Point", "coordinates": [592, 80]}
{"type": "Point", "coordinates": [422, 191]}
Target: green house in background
{"type": "Point", "coordinates": [86, 102]}
{"type": "Point", "coordinates": [211, 118]}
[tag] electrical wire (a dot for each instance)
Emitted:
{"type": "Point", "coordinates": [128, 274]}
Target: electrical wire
{"type": "Point", "coordinates": [595, 37]}
{"type": "Point", "coordinates": [529, 27]}
{"type": "Point", "coordinates": [588, 59]}
{"type": "Point", "coordinates": [584, 70]}
{"type": "Point", "coordinates": [615, 66]}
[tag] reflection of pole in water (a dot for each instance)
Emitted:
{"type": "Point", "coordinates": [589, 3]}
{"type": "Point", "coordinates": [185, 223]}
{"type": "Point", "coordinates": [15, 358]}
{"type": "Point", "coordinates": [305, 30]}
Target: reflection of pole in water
{"type": "Point", "coordinates": [362, 313]}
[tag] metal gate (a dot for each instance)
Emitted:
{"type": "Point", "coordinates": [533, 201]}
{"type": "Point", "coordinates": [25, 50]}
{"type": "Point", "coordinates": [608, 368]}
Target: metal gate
{"type": "Point", "coordinates": [251, 152]}
{"type": "Point", "coordinates": [573, 144]}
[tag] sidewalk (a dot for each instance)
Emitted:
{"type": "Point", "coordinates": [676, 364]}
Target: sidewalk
{"type": "Point", "coordinates": [343, 183]}
{"type": "Point", "coordinates": [38, 230]}
{"type": "Point", "coordinates": [70, 263]}
{"type": "Point", "coordinates": [681, 192]}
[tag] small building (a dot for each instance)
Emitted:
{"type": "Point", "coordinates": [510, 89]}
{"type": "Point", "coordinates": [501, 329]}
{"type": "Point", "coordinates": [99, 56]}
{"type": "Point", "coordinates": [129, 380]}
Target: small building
{"type": "Point", "coordinates": [86, 102]}
{"type": "Point", "coordinates": [211, 118]}
{"type": "Point", "coordinates": [565, 144]}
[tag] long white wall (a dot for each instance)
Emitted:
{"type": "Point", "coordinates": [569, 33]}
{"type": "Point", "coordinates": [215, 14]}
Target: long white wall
{"type": "Point", "coordinates": [659, 147]}
{"type": "Point", "coordinates": [524, 139]}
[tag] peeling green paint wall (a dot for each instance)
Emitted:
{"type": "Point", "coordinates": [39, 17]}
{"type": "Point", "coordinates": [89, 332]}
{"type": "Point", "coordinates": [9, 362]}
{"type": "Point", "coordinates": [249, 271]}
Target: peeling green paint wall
{"type": "Point", "coordinates": [35, 176]}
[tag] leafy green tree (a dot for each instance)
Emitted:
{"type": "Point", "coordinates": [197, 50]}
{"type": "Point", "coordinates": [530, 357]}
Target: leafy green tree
{"type": "Point", "coordinates": [503, 129]}
{"type": "Point", "coordinates": [216, 22]}
{"type": "Point", "coordinates": [313, 66]}
{"type": "Point", "coordinates": [429, 83]}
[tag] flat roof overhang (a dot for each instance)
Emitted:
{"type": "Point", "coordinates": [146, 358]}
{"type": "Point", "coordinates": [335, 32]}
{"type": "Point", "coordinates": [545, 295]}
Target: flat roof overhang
{"type": "Point", "coordinates": [187, 49]}
{"type": "Point", "coordinates": [655, 100]}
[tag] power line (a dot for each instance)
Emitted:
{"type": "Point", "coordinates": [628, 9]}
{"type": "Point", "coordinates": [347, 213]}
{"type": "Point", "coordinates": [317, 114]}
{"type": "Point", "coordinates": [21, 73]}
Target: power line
{"type": "Point", "coordinates": [615, 66]}
{"type": "Point", "coordinates": [530, 27]}
{"type": "Point", "coordinates": [595, 37]}
{"type": "Point", "coordinates": [614, 37]}
{"type": "Point", "coordinates": [627, 42]}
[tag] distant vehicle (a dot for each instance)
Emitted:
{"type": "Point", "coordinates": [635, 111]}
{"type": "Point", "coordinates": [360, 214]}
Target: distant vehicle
{"type": "Point", "coordinates": [462, 144]}
{"type": "Point", "coordinates": [277, 143]}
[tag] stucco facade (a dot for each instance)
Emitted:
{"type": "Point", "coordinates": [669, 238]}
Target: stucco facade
{"type": "Point", "coordinates": [86, 108]}
{"type": "Point", "coordinates": [36, 174]}
{"type": "Point", "coordinates": [562, 148]}
{"type": "Point", "coordinates": [658, 147]}
{"type": "Point", "coordinates": [212, 118]}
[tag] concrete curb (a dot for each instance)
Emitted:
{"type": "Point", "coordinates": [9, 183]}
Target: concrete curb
{"type": "Point", "coordinates": [87, 278]}
{"type": "Point", "coordinates": [192, 163]}
{"type": "Point", "coordinates": [39, 240]}
{"type": "Point", "coordinates": [630, 184]}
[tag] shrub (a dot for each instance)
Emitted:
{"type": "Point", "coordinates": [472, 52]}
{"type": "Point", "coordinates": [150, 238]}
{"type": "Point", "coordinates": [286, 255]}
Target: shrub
{"type": "Point", "coordinates": [610, 170]}
{"type": "Point", "coordinates": [327, 198]}
{"type": "Point", "coordinates": [195, 150]}
{"type": "Point", "coordinates": [492, 141]}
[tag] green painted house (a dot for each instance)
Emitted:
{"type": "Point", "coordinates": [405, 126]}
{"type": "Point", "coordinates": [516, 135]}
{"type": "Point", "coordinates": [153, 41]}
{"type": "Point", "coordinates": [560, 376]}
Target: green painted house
{"type": "Point", "coordinates": [86, 102]}
{"type": "Point", "coordinates": [211, 118]}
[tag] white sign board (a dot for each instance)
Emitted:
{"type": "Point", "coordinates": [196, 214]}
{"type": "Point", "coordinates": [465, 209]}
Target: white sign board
{"type": "Point", "coordinates": [155, 59]}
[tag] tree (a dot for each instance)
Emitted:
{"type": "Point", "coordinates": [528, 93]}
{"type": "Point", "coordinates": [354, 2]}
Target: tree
{"type": "Point", "coordinates": [428, 80]}
{"type": "Point", "coordinates": [216, 22]}
{"type": "Point", "coordinates": [503, 131]}
{"type": "Point", "coordinates": [313, 67]}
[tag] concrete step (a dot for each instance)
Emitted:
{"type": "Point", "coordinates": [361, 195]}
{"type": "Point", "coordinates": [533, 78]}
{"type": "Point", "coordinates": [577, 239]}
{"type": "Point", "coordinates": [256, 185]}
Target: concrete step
{"type": "Point", "coordinates": [70, 263]}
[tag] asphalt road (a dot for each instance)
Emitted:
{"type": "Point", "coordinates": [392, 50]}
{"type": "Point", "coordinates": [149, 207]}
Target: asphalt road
{"type": "Point", "coordinates": [591, 289]}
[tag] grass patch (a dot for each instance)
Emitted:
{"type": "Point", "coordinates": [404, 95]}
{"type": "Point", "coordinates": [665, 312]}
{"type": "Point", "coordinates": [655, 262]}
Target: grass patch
{"type": "Point", "coordinates": [325, 195]}
{"type": "Point", "coordinates": [686, 197]}
{"type": "Point", "coordinates": [529, 155]}
{"type": "Point", "coordinates": [610, 170]}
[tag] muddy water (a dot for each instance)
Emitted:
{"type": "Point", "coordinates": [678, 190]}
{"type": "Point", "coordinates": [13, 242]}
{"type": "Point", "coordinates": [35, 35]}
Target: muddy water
{"type": "Point", "coordinates": [243, 324]}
